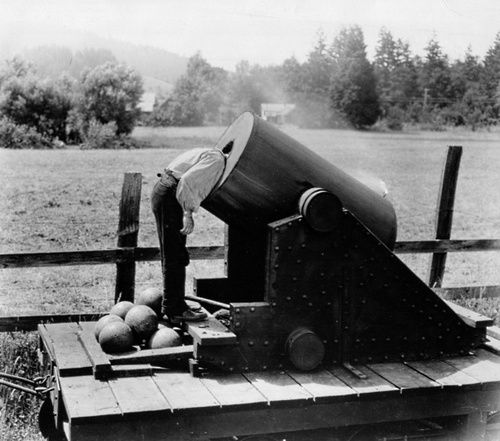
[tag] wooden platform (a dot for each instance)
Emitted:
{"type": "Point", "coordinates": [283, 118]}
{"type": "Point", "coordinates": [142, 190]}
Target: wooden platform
{"type": "Point", "coordinates": [160, 404]}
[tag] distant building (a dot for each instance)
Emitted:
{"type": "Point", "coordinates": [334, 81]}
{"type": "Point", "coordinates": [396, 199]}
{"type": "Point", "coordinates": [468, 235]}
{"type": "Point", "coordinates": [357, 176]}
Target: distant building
{"type": "Point", "coordinates": [147, 102]}
{"type": "Point", "coordinates": [275, 112]}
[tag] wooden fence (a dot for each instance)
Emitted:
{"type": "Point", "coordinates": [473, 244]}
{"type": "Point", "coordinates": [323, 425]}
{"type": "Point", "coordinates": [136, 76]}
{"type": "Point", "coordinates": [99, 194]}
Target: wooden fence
{"type": "Point", "coordinates": [127, 253]}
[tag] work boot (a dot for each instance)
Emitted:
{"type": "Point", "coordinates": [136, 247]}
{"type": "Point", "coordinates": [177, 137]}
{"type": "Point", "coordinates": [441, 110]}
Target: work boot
{"type": "Point", "coordinates": [190, 315]}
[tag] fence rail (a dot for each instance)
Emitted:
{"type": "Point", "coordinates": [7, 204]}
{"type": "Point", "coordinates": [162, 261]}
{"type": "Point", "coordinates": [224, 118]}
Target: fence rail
{"type": "Point", "coordinates": [148, 254]}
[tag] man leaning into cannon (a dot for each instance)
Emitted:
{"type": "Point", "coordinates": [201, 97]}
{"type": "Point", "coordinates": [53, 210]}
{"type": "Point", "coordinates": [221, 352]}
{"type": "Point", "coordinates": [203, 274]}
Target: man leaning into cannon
{"type": "Point", "coordinates": [182, 187]}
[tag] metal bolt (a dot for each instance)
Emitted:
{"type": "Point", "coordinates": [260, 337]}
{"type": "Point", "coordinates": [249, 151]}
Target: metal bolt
{"type": "Point", "coordinates": [250, 343]}
{"type": "Point", "coordinates": [252, 309]}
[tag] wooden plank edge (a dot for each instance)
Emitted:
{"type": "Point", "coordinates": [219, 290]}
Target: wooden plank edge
{"type": "Point", "coordinates": [472, 318]}
{"type": "Point", "coordinates": [31, 322]}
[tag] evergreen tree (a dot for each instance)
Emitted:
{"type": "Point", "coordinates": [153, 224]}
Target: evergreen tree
{"type": "Point", "coordinates": [395, 71]}
{"type": "Point", "coordinates": [353, 89]}
{"type": "Point", "coordinates": [435, 74]}
{"type": "Point", "coordinates": [491, 73]}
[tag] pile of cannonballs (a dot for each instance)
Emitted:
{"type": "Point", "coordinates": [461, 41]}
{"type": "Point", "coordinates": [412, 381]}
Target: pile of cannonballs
{"type": "Point", "coordinates": [130, 325]}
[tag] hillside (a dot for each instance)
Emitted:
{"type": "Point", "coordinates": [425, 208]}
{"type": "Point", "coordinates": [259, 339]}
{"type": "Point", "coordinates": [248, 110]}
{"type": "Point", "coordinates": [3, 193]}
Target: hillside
{"type": "Point", "coordinates": [155, 63]}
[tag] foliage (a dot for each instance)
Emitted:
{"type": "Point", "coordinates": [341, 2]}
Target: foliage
{"type": "Point", "coordinates": [42, 105]}
{"type": "Point", "coordinates": [19, 411]}
{"type": "Point", "coordinates": [110, 93]}
{"type": "Point", "coordinates": [21, 136]}
{"type": "Point", "coordinates": [353, 87]}
{"type": "Point", "coordinates": [197, 95]}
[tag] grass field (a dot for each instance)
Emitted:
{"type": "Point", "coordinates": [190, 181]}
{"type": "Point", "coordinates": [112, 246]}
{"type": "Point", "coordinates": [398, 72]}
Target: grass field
{"type": "Point", "coordinates": [68, 200]}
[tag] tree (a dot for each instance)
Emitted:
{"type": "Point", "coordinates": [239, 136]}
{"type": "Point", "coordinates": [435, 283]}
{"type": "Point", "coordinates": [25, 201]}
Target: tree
{"type": "Point", "coordinates": [491, 73]}
{"type": "Point", "coordinates": [40, 104]}
{"type": "Point", "coordinates": [435, 73]}
{"type": "Point", "coordinates": [395, 71]}
{"type": "Point", "coordinates": [197, 95]}
{"type": "Point", "coordinates": [353, 90]}
{"type": "Point", "coordinates": [110, 94]}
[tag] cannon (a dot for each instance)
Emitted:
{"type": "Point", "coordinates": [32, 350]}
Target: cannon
{"type": "Point", "coordinates": [310, 274]}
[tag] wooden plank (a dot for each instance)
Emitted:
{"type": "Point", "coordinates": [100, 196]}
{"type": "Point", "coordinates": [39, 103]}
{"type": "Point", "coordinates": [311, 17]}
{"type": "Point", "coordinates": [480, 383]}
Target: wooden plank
{"type": "Point", "coordinates": [100, 257]}
{"type": "Point", "coordinates": [322, 385]}
{"type": "Point", "coordinates": [70, 356]}
{"type": "Point", "coordinates": [234, 391]}
{"type": "Point", "coordinates": [138, 396]}
{"type": "Point", "coordinates": [484, 367]}
{"type": "Point", "coordinates": [493, 345]}
{"type": "Point", "coordinates": [184, 392]}
{"type": "Point", "coordinates": [494, 331]}
{"type": "Point", "coordinates": [278, 388]}
{"type": "Point", "coordinates": [446, 246]}
{"type": "Point", "coordinates": [483, 292]}
{"type": "Point", "coordinates": [210, 332]}
{"type": "Point", "coordinates": [445, 374]}
{"type": "Point", "coordinates": [373, 384]}
{"type": "Point", "coordinates": [30, 323]}
{"type": "Point", "coordinates": [128, 232]}
{"type": "Point", "coordinates": [163, 356]}
{"type": "Point", "coordinates": [470, 317]}
{"type": "Point", "coordinates": [101, 366]}
{"type": "Point", "coordinates": [88, 400]}
{"type": "Point", "coordinates": [64, 258]}
{"type": "Point", "coordinates": [404, 378]}
{"type": "Point", "coordinates": [47, 341]}
{"type": "Point", "coordinates": [146, 254]}
{"type": "Point", "coordinates": [130, 370]}
{"type": "Point", "coordinates": [444, 215]}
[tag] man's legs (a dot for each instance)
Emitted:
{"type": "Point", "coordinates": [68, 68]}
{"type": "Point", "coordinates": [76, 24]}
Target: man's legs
{"type": "Point", "coordinates": [174, 255]}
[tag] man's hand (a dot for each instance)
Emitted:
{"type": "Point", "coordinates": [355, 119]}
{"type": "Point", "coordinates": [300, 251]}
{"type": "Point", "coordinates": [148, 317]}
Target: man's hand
{"type": "Point", "coordinates": [188, 223]}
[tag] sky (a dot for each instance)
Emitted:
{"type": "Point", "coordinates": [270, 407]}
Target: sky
{"type": "Point", "coordinates": [262, 32]}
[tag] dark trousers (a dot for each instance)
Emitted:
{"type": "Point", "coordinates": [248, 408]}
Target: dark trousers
{"type": "Point", "coordinates": [174, 255]}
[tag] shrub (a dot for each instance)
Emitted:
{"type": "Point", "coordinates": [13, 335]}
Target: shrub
{"type": "Point", "coordinates": [19, 411]}
{"type": "Point", "coordinates": [103, 136]}
{"type": "Point", "coordinates": [21, 136]}
{"type": "Point", "coordinates": [395, 118]}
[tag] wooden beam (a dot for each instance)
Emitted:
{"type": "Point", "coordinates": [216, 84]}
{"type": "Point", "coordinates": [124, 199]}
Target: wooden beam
{"type": "Point", "coordinates": [444, 217]}
{"type": "Point", "coordinates": [446, 246]}
{"type": "Point", "coordinates": [128, 232]}
{"type": "Point", "coordinates": [469, 292]}
{"type": "Point", "coordinates": [472, 318]}
{"type": "Point", "coordinates": [30, 323]}
{"type": "Point", "coordinates": [98, 257]}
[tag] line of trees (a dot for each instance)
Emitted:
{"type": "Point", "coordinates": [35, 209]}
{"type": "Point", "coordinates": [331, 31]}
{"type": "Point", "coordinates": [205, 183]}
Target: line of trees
{"type": "Point", "coordinates": [337, 86]}
{"type": "Point", "coordinates": [97, 110]}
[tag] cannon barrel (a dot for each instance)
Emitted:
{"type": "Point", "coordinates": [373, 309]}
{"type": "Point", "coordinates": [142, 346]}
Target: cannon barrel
{"type": "Point", "coordinates": [267, 172]}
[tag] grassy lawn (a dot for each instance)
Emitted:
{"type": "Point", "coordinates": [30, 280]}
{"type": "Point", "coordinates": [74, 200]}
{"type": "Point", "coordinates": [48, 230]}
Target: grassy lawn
{"type": "Point", "coordinates": [68, 200]}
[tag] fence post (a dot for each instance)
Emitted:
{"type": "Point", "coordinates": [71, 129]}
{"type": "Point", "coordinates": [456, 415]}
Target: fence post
{"type": "Point", "coordinates": [128, 232]}
{"type": "Point", "coordinates": [444, 215]}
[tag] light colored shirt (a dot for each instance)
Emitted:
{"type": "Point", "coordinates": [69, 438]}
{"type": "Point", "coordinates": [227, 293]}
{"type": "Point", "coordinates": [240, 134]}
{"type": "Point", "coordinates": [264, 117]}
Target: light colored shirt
{"type": "Point", "coordinates": [198, 171]}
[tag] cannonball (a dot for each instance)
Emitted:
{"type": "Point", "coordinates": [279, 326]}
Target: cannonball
{"type": "Point", "coordinates": [121, 308]}
{"type": "Point", "coordinates": [164, 338]}
{"type": "Point", "coordinates": [143, 321]}
{"type": "Point", "coordinates": [103, 321]}
{"type": "Point", "coordinates": [151, 297]}
{"type": "Point", "coordinates": [116, 337]}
